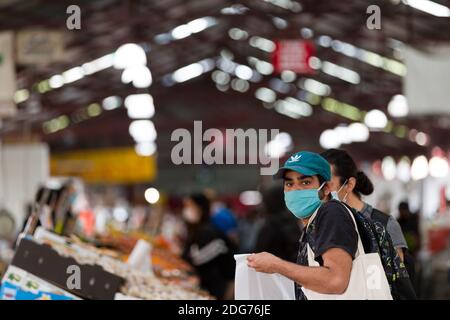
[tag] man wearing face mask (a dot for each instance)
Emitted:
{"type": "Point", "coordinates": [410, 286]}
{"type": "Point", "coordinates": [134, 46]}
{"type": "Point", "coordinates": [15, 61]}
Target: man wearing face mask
{"type": "Point", "coordinates": [207, 249]}
{"type": "Point", "coordinates": [329, 229]}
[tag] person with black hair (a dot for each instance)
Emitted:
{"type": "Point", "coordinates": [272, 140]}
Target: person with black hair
{"type": "Point", "coordinates": [207, 249]}
{"type": "Point", "coordinates": [410, 226]}
{"type": "Point", "coordinates": [349, 184]}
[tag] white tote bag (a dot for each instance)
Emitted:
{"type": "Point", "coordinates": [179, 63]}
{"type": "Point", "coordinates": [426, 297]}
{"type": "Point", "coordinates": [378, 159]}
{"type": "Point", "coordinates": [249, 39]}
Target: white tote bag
{"type": "Point", "coordinates": [367, 279]}
{"type": "Point", "coordinates": [252, 285]}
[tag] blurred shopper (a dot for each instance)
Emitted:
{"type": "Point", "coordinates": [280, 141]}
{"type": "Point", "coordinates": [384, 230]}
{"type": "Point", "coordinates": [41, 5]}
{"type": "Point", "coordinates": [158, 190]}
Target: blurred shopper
{"type": "Point", "coordinates": [208, 249]}
{"type": "Point", "coordinates": [249, 228]}
{"type": "Point", "coordinates": [409, 222]}
{"type": "Point", "coordinates": [331, 235]}
{"type": "Point", "coordinates": [349, 184]}
{"type": "Point", "coordinates": [410, 226]}
{"type": "Point", "coordinates": [224, 219]}
{"type": "Point", "coordinates": [281, 230]}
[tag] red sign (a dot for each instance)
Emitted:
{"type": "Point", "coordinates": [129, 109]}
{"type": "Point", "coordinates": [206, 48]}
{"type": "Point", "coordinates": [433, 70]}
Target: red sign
{"type": "Point", "coordinates": [293, 55]}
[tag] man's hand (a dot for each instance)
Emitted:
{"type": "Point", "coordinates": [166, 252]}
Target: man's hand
{"type": "Point", "coordinates": [263, 262]}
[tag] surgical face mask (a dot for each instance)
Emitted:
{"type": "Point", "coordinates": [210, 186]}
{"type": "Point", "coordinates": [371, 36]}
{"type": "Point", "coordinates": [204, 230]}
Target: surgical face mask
{"type": "Point", "coordinates": [190, 215]}
{"type": "Point", "coordinates": [303, 203]}
{"type": "Point", "coordinates": [335, 194]}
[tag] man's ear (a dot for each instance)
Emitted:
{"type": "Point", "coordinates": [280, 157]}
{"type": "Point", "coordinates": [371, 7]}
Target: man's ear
{"type": "Point", "coordinates": [327, 188]}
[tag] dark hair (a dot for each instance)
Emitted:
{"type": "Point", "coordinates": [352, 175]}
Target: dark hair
{"type": "Point", "coordinates": [203, 203]}
{"type": "Point", "coordinates": [346, 168]}
{"type": "Point", "coordinates": [321, 179]}
{"type": "Point", "coordinates": [403, 206]}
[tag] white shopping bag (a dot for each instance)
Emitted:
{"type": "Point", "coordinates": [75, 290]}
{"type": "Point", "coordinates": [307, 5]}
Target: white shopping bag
{"type": "Point", "coordinates": [367, 279]}
{"type": "Point", "coordinates": [252, 285]}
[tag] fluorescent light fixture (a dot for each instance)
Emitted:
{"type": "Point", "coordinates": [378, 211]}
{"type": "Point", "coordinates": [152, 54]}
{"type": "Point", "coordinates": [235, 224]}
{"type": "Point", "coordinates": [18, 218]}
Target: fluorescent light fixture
{"type": "Point", "coordinates": [343, 133]}
{"type": "Point", "coordinates": [151, 195]}
{"type": "Point", "coordinates": [142, 131]}
{"type": "Point", "coordinates": [316, 87]}
{"type": "Point", "coordinates": [181, 32]}
{"type": "Point", "coordinates": [220, 77]}
{"type": "Point", "coordinates": [419, 168]}
{"type": "Point", "coordinates": [99, 64]}
{"type": "Point", "coordinates": [194, 26]}
{"type": "Point", "coordinates": [388, 168]}
{"type": "Point", "coordinates": [145, 149]}
{"type": "Point", "coordinates": [250, 198]}
{"type": "Point", "coordinates": [340, 72]}
{"type": "Point", "coordinates": [358, 132]}
{"type": "Point", "coordinates": [404, 170]}
{"type": "Point", "coordinates": [329, 140]}
{"type": "Point", "coordinates": [111, 103]}
{"type": "Point", "coordinates": [188, 72]}
{"type": "Point", "coordinates": [398, 106]}
{"type": "Point", "coordinates": [21, 95]}
{"type": "Point", "coordinates": [288, 76]}
{"type": "Point", "coordinates": [201, 24]}
{"type": "Point", "coordinates": [279, 146]}
{"type": "Point", "coordinates": [262, 43]}
{"type": "Point", "coordinates": [315, 63]}
{"type": "Point", "coordinates": [421, 139]}
{"type": "Point", "coordinates": [163, 38]}
{"type": "Point", "coordinates": [376, 119]}
{"type": "Point", "coordinates": [438, 167]}
{"type": "Point", "coordinates": [325, 41]}
{"type": "Point", "coordinates": [237, 34]}
{"type": "Point", "coordinates": [243, 72]}
{"type": "Point", "coordinates": [56, 81]}
{"type": "Point", "coordinates": [73, 74]}
{"type": "Point", "coordinates": [140, 106]}
{"type": "Point", "coordinates": [142, 77]}
{"type": "Point", "coordinates": [193, 70]}
{"type": "Point", "coordinates": [264, 67]}
{"type": "Point", "coordinates": [240, 85]}
{"type": "Point", "coordinates": [265, 95]}
{"type": "Point", "coordinates": [129, 55]}
{"type": "Point", "coordinates": [429, 7]}
{"type": "Point", "coordinates": [293, 108]}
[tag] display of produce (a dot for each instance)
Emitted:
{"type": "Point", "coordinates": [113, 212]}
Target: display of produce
{"type": "Point", "coordinates": [171, 279]}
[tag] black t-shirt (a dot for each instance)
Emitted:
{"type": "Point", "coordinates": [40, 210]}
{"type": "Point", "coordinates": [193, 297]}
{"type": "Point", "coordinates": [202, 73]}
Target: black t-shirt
{"type": "Point", "coordinates": [331, 228]}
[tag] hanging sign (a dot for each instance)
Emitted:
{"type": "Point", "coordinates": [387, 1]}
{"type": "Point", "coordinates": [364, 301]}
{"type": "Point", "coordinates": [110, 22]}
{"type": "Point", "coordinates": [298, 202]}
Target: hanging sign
{"type": "Point", "coordinates": [293, 55]}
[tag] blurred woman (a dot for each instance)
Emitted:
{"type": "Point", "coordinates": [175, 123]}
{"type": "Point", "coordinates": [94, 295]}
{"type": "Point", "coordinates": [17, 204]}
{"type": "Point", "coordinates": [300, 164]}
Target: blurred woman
{"type": "Point", "coordinates": [208, 249]}
{"type": "Point", "coordinates": [349, 184]}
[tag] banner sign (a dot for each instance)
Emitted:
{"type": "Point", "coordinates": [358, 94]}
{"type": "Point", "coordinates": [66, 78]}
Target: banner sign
{"type": "Point", "coordinates": [106, 166]}
{"type": "Point", "coordinates": [39, 47]}
{"type": "Point", "coordinates": [293, 55]}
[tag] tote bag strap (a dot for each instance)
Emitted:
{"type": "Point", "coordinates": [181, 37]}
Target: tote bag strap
{"type": "Point", "coordinates": [360, 245]}
{"type": "Point", "coordinates": [360, 249]}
